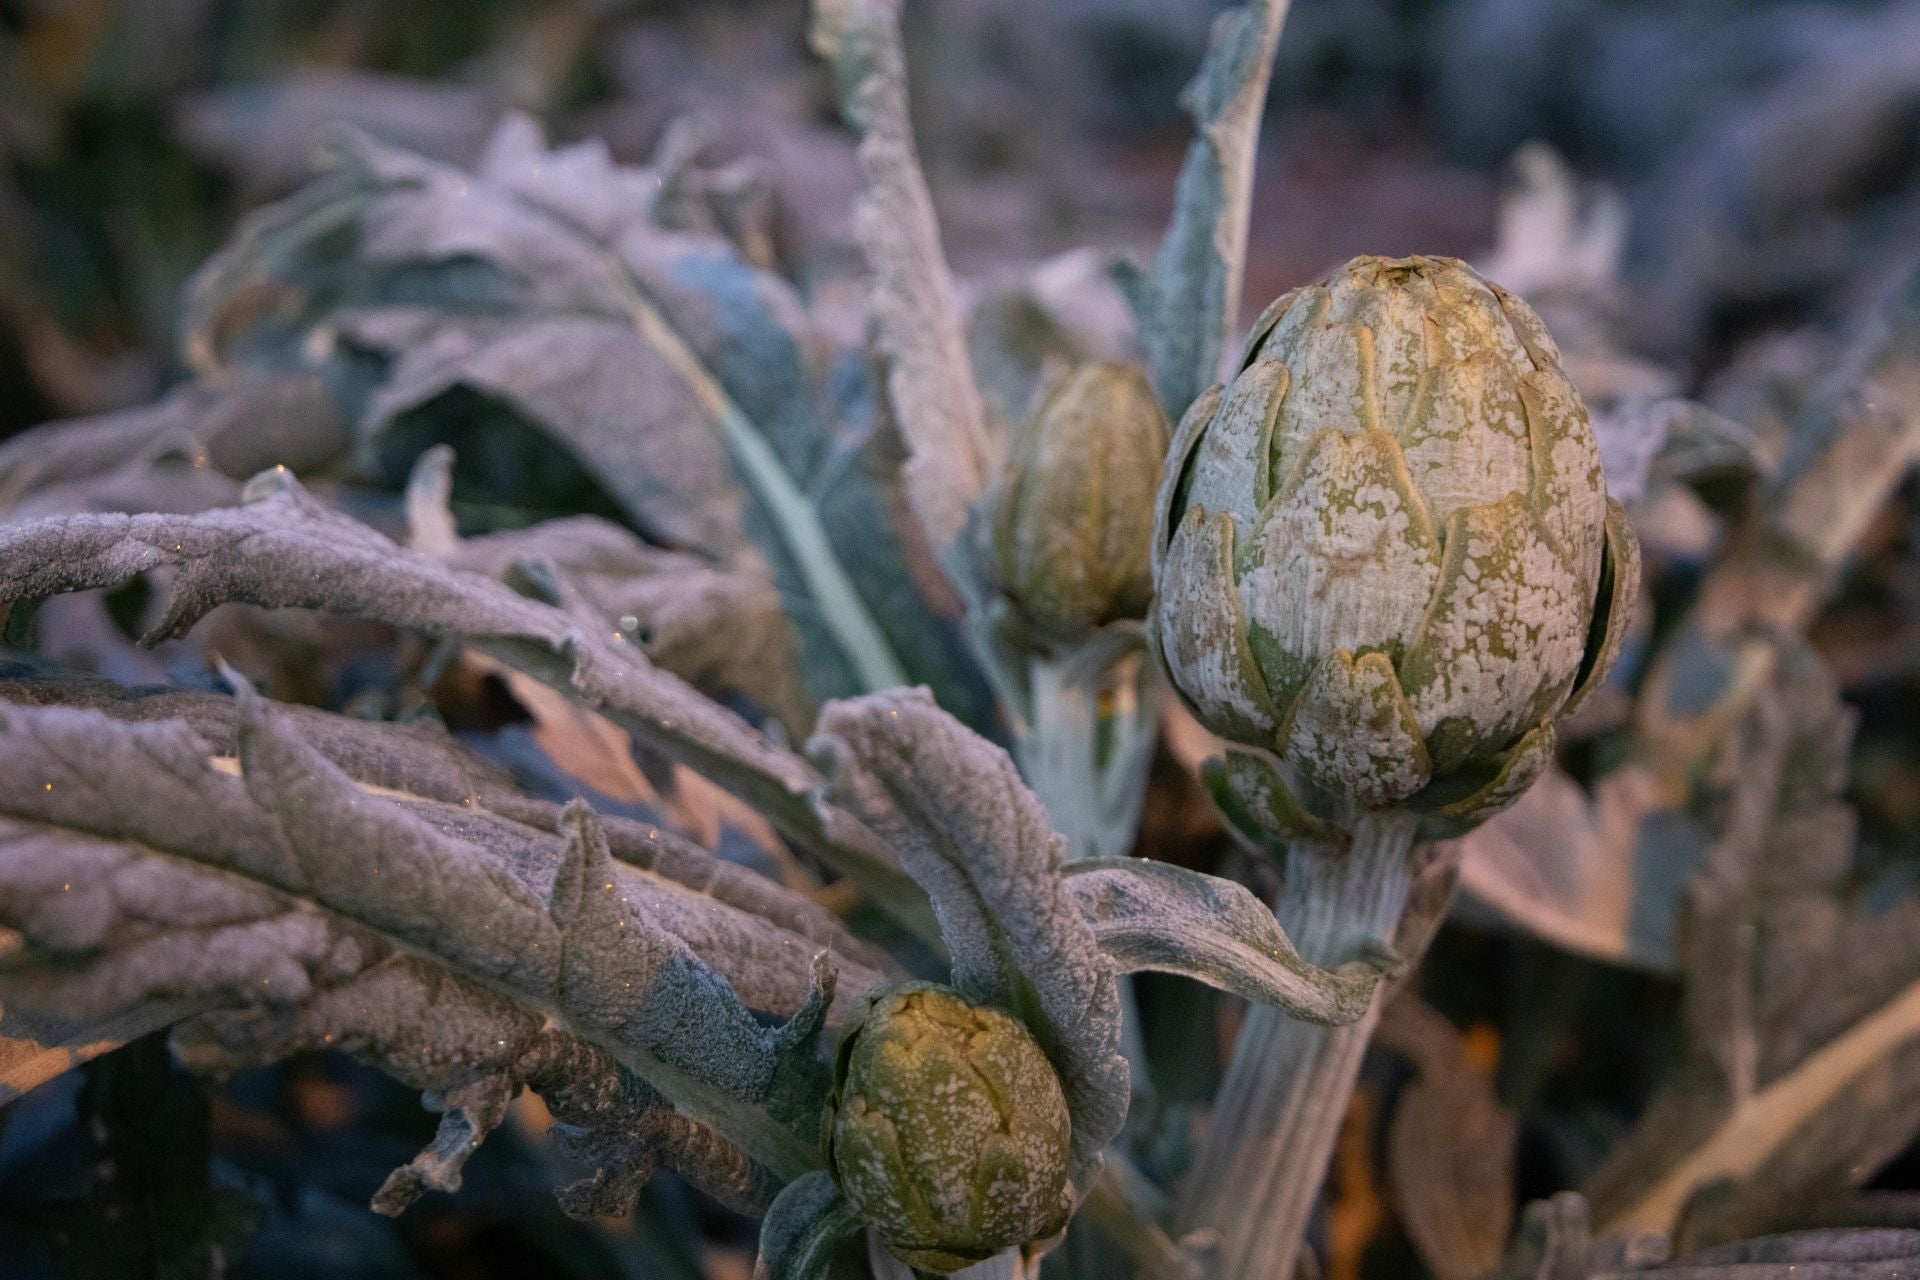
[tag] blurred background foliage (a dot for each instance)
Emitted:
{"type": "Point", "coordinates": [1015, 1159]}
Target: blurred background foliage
{"type": "Point", "coordinates": [1743, 177]}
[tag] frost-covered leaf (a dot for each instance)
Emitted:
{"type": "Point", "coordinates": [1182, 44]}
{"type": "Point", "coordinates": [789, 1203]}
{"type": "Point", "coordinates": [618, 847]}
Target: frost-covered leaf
{"type": "Point", "coordinates": [1803, 995]}
{"type": "Point", "coordinates": [1802, 1255]}
{"type": "Point", "coordinates": [952, 805]}
{"type": "Point", "coordinates": [915, 314]}
{"type": "Point", "coordinates": [541, 291]}
{"type": "Point", "coordinates": [418, 760]}
{"type": "Point", "coordinates": [1154, 915]}
{"type": "Point", "coordinates": [265, 132]}
{"type": "Point", "coordinates": [1555, 1242]}
{"type": "Point", "coordinates": [1646, 441]}
{"type": "Point", "coordinates": [1192, 299]}
{"type": "Point", "coordinates": [139, 870]}
{"type": "Point", "coordinates": [284, 549]}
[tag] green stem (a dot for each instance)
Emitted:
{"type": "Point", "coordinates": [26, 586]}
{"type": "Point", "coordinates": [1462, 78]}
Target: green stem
{"type": "Point", "coordinates": [1271, 1135]}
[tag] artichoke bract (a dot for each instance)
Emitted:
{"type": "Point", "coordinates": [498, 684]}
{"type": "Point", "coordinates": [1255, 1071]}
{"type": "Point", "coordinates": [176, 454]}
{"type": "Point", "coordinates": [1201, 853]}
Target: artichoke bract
{"type": "Point", "coordinates": [1073, 521]}
{"type": "Point", "coordinates": [1384, 552]}
{"type": "Point", "coordinates": [948, 1129]}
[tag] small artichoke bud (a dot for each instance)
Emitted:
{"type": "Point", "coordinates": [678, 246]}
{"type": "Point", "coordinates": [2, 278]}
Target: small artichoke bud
{"type": "Point", "coordinates": [1073, 522]}
{"type": "Point", "coordinates": [1384, 551]}
{"type": "Point", "coordinates": [948, 1130]}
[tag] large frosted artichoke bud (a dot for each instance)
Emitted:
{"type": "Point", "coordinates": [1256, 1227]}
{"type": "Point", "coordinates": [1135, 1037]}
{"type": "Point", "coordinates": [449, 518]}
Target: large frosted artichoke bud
{"type": "Point", "coordinates": [1384, 552]}
{"type": "Point", "coordinates": [1073, 521]}
{"type": "Point", "coordinates": [948, 1129]}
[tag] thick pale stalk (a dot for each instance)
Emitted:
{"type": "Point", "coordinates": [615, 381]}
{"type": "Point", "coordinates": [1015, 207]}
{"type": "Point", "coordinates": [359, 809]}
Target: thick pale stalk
{"type": "Point", "coordinates": [1086, 746]}
{"type": "Point", "coordinates": [1272, 1131]}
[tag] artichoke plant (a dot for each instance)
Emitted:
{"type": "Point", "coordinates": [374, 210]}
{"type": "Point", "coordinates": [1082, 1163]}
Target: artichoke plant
{"type": "Point", "coordinates": [948, 1129]}
{"type": "Point", "coordinates": [1073, 523]}
{"type": "Point", "coordinates": [1384, 550]}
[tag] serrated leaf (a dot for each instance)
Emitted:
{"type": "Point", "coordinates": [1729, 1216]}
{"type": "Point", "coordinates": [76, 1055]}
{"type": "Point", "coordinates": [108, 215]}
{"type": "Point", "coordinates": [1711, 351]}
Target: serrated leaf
{"type": "Point", "coordinates": [284, 549]}
{"type": "Point", "coordinates": [1157, 916]}
{"type": "Point", "coordinates": [126, 839]}
{"type": "Point", "coordinates": [952, 805]}
{"type": "Point", "coordinates": [685, 382]}
{"type": "Point", "coordinates": [1802, 1002]}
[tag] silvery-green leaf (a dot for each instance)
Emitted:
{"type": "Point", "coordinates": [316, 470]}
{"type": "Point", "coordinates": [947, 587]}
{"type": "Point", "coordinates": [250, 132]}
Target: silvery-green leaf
{"type": "Point", "coordinates": [1649, 441]}
{"type": "Point", "coordinates": [684, 382]}
{"type": "Point", "coordinates": [284, 549]}
{"type": "Point", "coordinates": [1802, 1005]}
{"type": "Point", "coordinates": [419, 760]}
{"type": "Point", "coordinates": [128, 839]}
{"type": "Point", "coordinates": [1192, 298]}
{"type": "Point", "coordinates": [1154, 915]}
{"type": "Point", "coordinates": [1601, 874]}
{"type": "Point", "coordinates": [952, 805]}
{"type": "Point", "coordinates": [1256, 799]}
{"type": "Point", "coordinates": [916, 316]}
{"type": "Point", "coordinates": [804, 1230]}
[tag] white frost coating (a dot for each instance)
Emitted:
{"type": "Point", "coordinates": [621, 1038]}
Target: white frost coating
{"type": "Point", "coordinates": [1398, 320]}
{"type": "Point", "coordinates": [1468, 446]}
{"type": "Point", "coordinates": [1437, 506]}
{"type": "Point", "coordinates": [1229, 464]}
{"type": "Point", "coordinates": [1352, 732]}
{"type": "Point", "coordinates": [1566, 461]}
{"type": "Point", "coordinates": [1330, 391]}
{"type": "Point", "coordinates": [1201, 635]}
{"type": "Point", "coordinates": [1505, 636]}
{"type": "Point", "coordinates": [1345, 560]}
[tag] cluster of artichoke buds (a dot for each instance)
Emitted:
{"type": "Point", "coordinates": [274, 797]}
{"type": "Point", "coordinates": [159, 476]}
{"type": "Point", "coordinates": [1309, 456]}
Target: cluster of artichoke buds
{"type": "Point", "coordinates": [1384, 553]}
{"type": "Point", "coordinates": [1073, 520]}
{"type": "Point", "coordinates": [948, 1130]}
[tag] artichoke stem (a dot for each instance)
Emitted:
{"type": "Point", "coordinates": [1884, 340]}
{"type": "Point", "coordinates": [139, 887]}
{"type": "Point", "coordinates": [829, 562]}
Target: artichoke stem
{"type": "Point", "coordinates": [1085, 752]}
{"type": "Point", "coordinates": [1271, 1135]}
{"type": "Point", "coordinates": [1086, 748]}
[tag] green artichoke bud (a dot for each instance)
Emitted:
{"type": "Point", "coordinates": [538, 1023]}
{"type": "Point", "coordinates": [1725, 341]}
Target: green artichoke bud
{"type": "Point", "coordinates": [1384, 552]}
{"type": "Point", "coordinates": [1073, 522]}
{"type": "Point", "coordinates": [948, 1130]}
